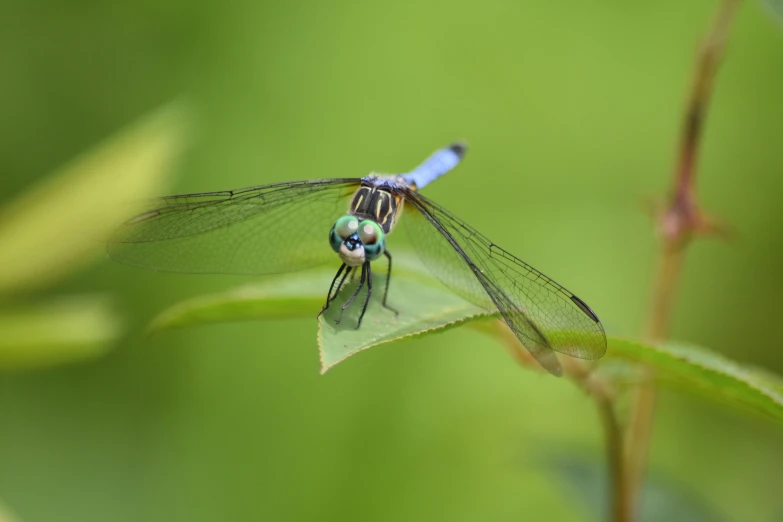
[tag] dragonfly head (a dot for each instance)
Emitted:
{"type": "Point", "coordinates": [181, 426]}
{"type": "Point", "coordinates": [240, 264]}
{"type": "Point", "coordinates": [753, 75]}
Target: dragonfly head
{"type": "Point", "coordinates": [357, 241]}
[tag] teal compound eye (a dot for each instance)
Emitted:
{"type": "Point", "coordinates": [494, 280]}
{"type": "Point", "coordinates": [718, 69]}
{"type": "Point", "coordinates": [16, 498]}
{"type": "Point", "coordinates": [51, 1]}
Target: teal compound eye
{"type": "Point", "coordinates": [343, 228]}
{"type": "Point", "coordinates": [372, 237]}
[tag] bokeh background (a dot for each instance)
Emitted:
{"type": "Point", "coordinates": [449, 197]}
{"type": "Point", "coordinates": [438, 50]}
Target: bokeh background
{"type": "Point", "coordinates": [572, 110]}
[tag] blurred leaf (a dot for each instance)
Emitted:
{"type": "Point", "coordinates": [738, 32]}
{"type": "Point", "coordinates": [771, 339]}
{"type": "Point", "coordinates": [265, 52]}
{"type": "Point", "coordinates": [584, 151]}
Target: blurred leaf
{"type": "Point", "coordinates": [776, 8]}
{"type": "Point", "coordinates": [57, 332]}
{"type": "Point", "coordinates": [6, 515]}
{"type": "Point", "coordinates": [698, 368]}
{"type": "Point", "coordinates": [663, 500]}
{"type": "Point", "coordinates": [58, 225]}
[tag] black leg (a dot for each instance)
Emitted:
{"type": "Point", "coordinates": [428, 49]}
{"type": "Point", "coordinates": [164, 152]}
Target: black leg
{"type": "Point", "coordinates": [388, 279]}
{"type": "Point", "coordinates": [340, 284]}
{"type": "Point", "coordinates": [369, 293]}
{"type": "Point", "coordinates": [329, 295]}
{"type": "Point", "coordinates": [358, 289]}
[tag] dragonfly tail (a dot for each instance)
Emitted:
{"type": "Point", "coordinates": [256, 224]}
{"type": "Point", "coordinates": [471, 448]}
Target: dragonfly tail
{"type": "Point", "coordinates": [436, 165]}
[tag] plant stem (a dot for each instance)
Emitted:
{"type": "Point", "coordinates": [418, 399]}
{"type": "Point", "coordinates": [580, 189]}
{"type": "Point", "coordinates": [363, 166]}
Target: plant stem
{"type": "Point", "coordinates": [678, 224]}
{"type": "Point", "coordinates": [601, 391]}
{"type": "Point", "coordinates": [618, 483]}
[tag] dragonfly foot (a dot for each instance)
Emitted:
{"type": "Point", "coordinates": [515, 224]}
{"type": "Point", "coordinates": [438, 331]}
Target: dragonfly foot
{"type": "Point", "coordinates": [396, 312]}
{"type": "Point", "coordinates": [325, 308]}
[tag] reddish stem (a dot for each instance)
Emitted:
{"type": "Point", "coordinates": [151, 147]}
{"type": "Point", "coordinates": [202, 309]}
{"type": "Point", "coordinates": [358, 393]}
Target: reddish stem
{"type": "Point", "coordinates": [678, 224]}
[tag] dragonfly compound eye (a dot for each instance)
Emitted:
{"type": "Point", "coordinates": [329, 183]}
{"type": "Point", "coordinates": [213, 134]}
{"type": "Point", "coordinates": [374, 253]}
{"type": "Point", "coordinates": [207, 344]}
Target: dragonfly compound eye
{"type": "Point", "coordinates": [343, 228]}
{"type": "Point", "coordinates": [373, 239]}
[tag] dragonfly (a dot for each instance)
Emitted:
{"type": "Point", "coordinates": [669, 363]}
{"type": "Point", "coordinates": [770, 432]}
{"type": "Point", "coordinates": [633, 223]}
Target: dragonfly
{"type": "Point", "coordinates": [281, 227]}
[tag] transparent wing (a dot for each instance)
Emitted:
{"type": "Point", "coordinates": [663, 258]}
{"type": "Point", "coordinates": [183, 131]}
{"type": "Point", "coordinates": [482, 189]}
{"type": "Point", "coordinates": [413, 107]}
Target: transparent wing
{"type": "Point", "coordinates": [541, 313]}
{"type": "Point", "coordinates": [258, 230]}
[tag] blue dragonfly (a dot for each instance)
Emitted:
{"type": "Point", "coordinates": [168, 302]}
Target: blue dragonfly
{"type": "Point", "coordinates": [280, 227]}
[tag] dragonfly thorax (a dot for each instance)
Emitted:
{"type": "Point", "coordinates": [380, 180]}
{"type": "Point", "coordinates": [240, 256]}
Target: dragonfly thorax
{"type": "Point", "coordinates": [357, 241]}
{"type": "Point", "coordinates": [375, 199]}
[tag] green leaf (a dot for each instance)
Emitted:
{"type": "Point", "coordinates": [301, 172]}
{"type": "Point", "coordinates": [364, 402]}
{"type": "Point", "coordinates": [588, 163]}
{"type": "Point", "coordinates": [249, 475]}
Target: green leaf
{"type": "Point", "coordinates": [290, 296]}
{"type": "Point", "coordinates": [59, 224]}
{"type": "Point", "coordinates": [662, 499]}
{"type": "Point", "coordinates": [700, 369]}
{"type": "Point", "coordinates": [56, 332]}
{"type": "Point", "coordinates": [425, 306]}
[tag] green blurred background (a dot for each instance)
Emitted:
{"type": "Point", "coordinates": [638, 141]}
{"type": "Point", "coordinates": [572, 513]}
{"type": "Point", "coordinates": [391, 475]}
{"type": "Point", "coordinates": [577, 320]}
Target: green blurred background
{"type": "Point", "coordinates": [572, 110]}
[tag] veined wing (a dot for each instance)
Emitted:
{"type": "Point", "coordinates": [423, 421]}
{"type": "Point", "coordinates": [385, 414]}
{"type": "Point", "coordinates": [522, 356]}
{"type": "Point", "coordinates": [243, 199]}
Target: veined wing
{"type": "Point", "coordinates": [542, 314]}
{"type": "Point", "coordinates": [258, 230]}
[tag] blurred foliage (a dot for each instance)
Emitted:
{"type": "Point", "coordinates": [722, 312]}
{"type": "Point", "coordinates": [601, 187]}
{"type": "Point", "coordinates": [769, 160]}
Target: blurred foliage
{"type": "Point", "coordinates": [5, 516]}
{"type": "Point", "coordinates": [572, 112]}
{"type": "Point", "coordinates": [59, 331]}
{"type": "Point", "coordinates": [776, 8]}
{"type": "Point", "coordinates": [57, 227]}
{"type": "Point", "coordinates": [663, 499]}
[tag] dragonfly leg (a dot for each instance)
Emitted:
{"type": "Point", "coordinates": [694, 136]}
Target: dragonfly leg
{"type": "Point", "coordinates": [329, 296]}
{"type": "Point", "coordinates": [340, 284]}
{"type": "Point", "coordinates": [369, 293]}
{"type": "Point", "coordinates": [388, 279]}
{"type": "Point", "coordinates": [358, 289]}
